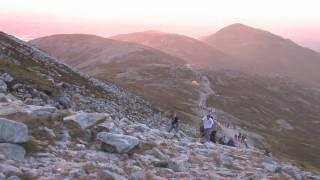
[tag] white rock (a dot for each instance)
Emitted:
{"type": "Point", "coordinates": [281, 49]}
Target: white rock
{"type": "Point", "coordinates": [117, 142]}
{"type": "Point", "coordinates": [85, 120]}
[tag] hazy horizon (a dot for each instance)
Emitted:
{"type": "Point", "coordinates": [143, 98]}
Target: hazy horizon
{"type": "Point", "coordinates": [298, 21]}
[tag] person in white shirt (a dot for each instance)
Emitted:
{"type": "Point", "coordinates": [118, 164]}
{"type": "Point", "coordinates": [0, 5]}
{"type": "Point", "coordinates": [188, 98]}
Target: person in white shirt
{"type": "Point", "coordinates": [207, 125]}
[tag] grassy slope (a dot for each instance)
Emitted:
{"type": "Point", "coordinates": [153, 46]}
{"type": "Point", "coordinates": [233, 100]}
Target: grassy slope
{"type": "Point", "coordinates": [259, 102]}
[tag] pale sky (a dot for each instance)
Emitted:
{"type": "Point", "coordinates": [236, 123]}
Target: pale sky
{"type": "Point", "coordinates": [298, 20]}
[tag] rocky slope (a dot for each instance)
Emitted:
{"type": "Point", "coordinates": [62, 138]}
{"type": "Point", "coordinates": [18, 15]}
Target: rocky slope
{"type": "Point", "coordinates": [48, 133]}
{"type": "Point", "coordinates": [276, 112]}
{"type": "Point", "coordinates": [265, 53]}
{"type": "Point", "coordinates": [43, 142]}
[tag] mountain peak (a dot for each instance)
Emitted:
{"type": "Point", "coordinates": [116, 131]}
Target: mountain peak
{"type": "Point", "coordinates": [238, 28]}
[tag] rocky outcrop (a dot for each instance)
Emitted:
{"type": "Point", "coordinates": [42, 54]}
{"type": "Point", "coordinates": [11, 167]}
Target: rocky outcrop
{"type": "Point", "coordinates": [12, 131]}
{"type": "Point", "coordinates": [85, 120]}
{"type": "Point", "coordinates": [12, 151]}
{"type": "Point", "coordinates": [117, 143]}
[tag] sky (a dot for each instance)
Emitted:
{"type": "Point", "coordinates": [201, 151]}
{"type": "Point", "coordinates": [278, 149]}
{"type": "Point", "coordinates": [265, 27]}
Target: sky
{"type": "Point", "coordinates": [298, 20]}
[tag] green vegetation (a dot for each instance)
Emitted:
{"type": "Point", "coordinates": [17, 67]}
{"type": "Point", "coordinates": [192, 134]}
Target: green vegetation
{"type": "Point", "coordinates": [23, 74]}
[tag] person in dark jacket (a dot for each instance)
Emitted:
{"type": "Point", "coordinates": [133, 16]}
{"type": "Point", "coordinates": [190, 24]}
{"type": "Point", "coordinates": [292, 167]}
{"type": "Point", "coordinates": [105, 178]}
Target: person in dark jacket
{"type": "Point", "coordinates": [174, 122]}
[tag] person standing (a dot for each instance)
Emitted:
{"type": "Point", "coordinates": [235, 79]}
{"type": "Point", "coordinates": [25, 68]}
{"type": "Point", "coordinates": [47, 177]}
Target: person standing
{"type": "Point", "coordinates": [174, 122]}
{"type": "Point", "coordinates": [207, 126]}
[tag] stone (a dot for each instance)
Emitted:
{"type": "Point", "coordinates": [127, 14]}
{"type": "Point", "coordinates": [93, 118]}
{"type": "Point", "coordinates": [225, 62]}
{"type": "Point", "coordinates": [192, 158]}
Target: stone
{"type": "Point", "coordinates": [139, 127]}
{"type": "Point", "coordinates": [2, 176]}
{"type": "Point", "coordinates": [12, 151]}
{"type": "Point", "coordinates": [12, 131]}
{"type": "Point", "coordinates": [13, 178]}
{"type": "Point", "coordinates": [269, 167]}
{"type": "Point", "coordinates": [35, 101]}
{"type": "Point", "coordinates": [3, 98]}
{"type": "Point", "coordinates": [84, 120]}
{"type": "Point", "coordinates": [178, 164]}
{"type": "Point", "coordinates": [111, 175]}
{"type": "Point", "coordinates": [117, 143]}
{"type": "Point", "coordinates": [7, 77]}
{"type": "Point", "coordinates": [3, 86]}
{"type": "Point", "coordinates": [8, 169]}
{"type": "Point", "coordinates": [80, 147]}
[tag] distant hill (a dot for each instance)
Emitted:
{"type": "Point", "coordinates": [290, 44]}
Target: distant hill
{"type": "Point", "coordinates": [155, 75]}
{"type": "Point", "coordinates": [192, 50]}
{"type": "Point", "coordinates": [268, 54]}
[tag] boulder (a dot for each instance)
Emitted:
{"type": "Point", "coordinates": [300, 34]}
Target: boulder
{"type": "Point", "coordinates": [178, 164]}
{"type": "Point", "coordinates": [19, 111]}
{"type": "Point", "coordinates": [13, 178]}
{"type": "Point", "coordinates": [3, 86]}
{"type": "Point", "coordinates": [13, 132]}
{"type": "Point", "coordinates": [117, 142]}
{"type": "Point", "coordinates": [84, 120]}
{"type": "Point", "coordinates": [3, 98]}
{"type": "Point", "coordinates": [111, 175]}
{"type": "Point", "coordinates": [2, 176]}
{"type": "Point", "coordinates": [7, 77]}
{"type": "Point", "coordinates": [12, 151]}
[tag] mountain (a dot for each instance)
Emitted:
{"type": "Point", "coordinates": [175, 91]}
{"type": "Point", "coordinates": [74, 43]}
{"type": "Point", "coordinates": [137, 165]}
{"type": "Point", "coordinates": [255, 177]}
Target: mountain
{"type": "Point", "coordinates": [267, 54]}
{"type": "Point", "coordinates": [42, 72]}
{"type": "Point", "coordinates": [162, 79]}
{"type": "Point", "coordinates": [58, 123]}
{"type": "Point", "coordinates": [265, 108]}
{"type": "Point", "coordinates": [192, 50]}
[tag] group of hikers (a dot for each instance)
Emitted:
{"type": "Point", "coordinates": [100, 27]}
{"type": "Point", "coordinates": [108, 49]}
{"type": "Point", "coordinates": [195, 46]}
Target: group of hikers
{"type": "Point", "coordinates": [209, 127]}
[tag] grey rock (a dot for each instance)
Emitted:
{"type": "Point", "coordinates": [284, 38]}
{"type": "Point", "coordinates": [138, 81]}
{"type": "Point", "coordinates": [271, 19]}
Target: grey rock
{"type": "Point", "coordinates": [117, 143]}
{"type": "Point", "coordinates": [13, 178]}
{"type": "Point", "coordinates": [12, 131]}
{"type": "Point", "coordinates": [2, 176]}
{"type": "Point", "coordinates": [178, 164]}
{"type": "Point", "coordinates": [3, 98]}
{"type": "Point", "coordinates": [12, 151]}
{"type": "Point", "coordinates": [35, 101]}
{"type": "Point", "coordinates": [84, 120]}
{"type": "Point", "coordinates": [111, 176]}
{"type": "Point", "coordinates": [269, 167]}
{"type": "Point", "coordinates": [7, 77]}
{"type": "Point", "coordinates": [8, 169]}
{"type": "Point", "coordinates": [3, 86]}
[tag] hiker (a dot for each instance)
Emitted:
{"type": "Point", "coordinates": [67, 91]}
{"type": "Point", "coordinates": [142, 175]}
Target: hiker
{"type": "Point", "coordinates": [174, 122]}
{"type": "Point", "coordinates": [243, 137]}
{"type": "Point", "coordinates": [239, 137]}
{"type": "Point", "coordinates": [201, 129]}
{"type": "Point", "coordinates": [245, 142]}
{"type": "Point", "coordinates": [207, 125]}
{"type": "Point", "coordinates": [236, 137]}
{"type": "Point", "coordinates": [214, 129]}
{"type": "Point", "coordinates": [267, 152]}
